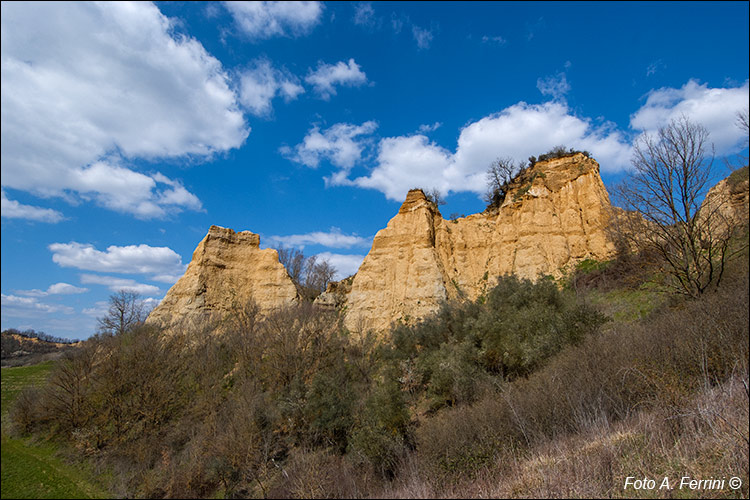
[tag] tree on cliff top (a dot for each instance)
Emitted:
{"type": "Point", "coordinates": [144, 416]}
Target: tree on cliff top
{"type": "Point", "coordinates": [499, 175]}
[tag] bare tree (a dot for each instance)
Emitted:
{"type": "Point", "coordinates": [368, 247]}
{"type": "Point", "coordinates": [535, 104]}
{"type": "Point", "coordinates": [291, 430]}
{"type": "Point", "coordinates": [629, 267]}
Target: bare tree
{"type": "Point", "coordinates": [126, 311]}
{"type": "Point", "coordinates": [435, 196]}
{"type": "Point", "coordinates": [743, 123]}
{"type": "Point", "coordinates": [318, 275]}
{"type": "Point", "coordinates": [499, 175]}
{"type": "Point", "coordinates": [294, 262]}
{"type": "Point", "coordinates": [310, 276]}
{"type": "Point", "coordinates": [670, 178]}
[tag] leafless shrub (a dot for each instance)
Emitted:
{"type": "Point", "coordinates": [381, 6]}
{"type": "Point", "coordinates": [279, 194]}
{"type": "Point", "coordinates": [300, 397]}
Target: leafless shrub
{"type": "Point", "coordinates": [670, 179]}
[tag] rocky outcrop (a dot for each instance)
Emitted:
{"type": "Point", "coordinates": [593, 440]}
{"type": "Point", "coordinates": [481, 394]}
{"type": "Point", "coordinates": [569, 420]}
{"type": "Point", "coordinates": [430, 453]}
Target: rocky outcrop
{"type": "Point", "coordinates": [228, 270]}
{"type": "Point", "coordinates": [729, 200]}
{"type": "Point", "coordinates": [335, 295]}
{"type": "Point", "coordinates": [554, 215]}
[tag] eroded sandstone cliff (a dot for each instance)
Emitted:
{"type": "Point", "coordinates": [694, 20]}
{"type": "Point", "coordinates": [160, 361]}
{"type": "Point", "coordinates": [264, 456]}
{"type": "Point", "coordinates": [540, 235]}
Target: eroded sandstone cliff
{"type": "Point", "coordinates": [553, 216]}
{"type": "Point", "coordinates": [228, 269]}
{"type": "Point", "coordinates": [729, 199]}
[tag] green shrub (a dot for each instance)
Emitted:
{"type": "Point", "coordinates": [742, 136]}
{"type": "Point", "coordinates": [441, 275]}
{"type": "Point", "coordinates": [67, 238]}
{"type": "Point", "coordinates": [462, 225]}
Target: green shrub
{"type": "Point", "coordinates": [508, 333]}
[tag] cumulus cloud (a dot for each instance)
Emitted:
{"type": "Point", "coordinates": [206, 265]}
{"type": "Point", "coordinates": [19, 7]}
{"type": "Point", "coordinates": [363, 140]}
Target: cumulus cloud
{"type": "Point", "coordinates": [327, 76]}
{"type": "Point", "coordinates": [29, 307]}
{"type": "Point", "coordinates": [12, 209]}
{"type": "Point", "coordinates": [65, 289]}
{"type": "Point", "coordinates": [99, 309]}
{"type": "Point", "coordinates": [332, 239]}
{"type": "Point", "coordinates": [407, 162]}
{"type": "Point", "coordinates": [131, 259]}
{"type": "Point", "coordinates": [262, 83]}
{"type": "Point", "coordinates": [523, 130]}
{"type": "Point", "coordinates": [342, 145]}
{"type": "Point", "coordinates": [345, 265]}
{"type": "Point", "coordinates": [166, 278]}
{"type": "Point", "coordinates": [123, 190]}
{"type": "Point", "coordinates": [55, 289]}
{"type": "Point", "coordinates": [519, 131]}
{"type": "Point", "coordinates": [116, 284]}
{"type": "Point", "coordinates": [714, 108]}
{"type": "Point", "coordinates": [262, 20]}
{"type": "Point", "coordinates": [89, 86]}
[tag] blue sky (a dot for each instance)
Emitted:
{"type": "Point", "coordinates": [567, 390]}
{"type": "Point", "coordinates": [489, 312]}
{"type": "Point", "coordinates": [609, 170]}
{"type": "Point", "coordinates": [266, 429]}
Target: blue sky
{"type": "Point", "coordinates": [128, 129]}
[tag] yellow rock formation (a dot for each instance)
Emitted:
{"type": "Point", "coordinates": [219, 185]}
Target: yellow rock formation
{"type": "Point", "coordinates": [227, 270]}
{"type": "Point", "coordinates": [729, 199]}
{"type": "Point", "coordinates": [554, 216]}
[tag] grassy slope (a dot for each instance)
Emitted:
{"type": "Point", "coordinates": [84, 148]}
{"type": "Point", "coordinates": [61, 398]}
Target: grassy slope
{"type": "Point", "coordinates": [31, 469]}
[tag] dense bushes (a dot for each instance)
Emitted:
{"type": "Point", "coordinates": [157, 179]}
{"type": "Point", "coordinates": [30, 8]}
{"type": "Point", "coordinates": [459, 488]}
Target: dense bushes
{"type": "Point", "coordinates": [656, 366]}
{"type": "Point", "coordinates": [188, 413]}
{"type": "Point", "coordinates": [508, 334]}
{"type": "Point", "coordinates": [289, 405]}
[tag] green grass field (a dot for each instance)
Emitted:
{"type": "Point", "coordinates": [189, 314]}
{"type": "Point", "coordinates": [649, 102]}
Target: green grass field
{"type": "Point", "coordinates": [30, 469]}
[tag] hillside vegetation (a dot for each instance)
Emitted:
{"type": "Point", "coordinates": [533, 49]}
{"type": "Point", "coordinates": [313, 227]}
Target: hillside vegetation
{"type": "Point", "coordinates": [32, 469]}
{"type": "Point", "coordinates": [531, 390]}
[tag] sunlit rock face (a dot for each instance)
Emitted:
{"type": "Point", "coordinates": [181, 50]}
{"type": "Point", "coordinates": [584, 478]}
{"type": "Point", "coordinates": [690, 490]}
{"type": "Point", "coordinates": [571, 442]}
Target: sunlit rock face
{"type": "Point", "coordinates": [227, 271]}
{"type": "Point", "coordinates": [728, 201]}
{"type": "Point", "coordinates": [553, 216]}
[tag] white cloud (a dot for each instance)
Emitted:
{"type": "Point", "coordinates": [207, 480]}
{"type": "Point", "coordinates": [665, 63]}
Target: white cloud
{"type": "Point", "coordinates": [29, 307]}
{"type": "Point", "coordinates": [129, 259]}
{"type": "Point", "coordinates": [327, 76]}
{"type": "Point", "coordinates": [555, 86]}
{"type": "Point", "coordinates": [340, 144]}
{"type": "Point", "coordinates": [714, 108]}
{"type": "Point", "coordinates": [65, 289]}
{"type": "Point", "coordinates": [345, 265]}
{"type": "Point", "coordinates": [408, 162]}
{"type": "Point", "coordinates": [87, 86]}
{"type": "Point", "coordinates": [150, 303]}
{"type": "Point", "coordinates": [12, 209]}
{"type": "Point", "coordinates": [55, 289]}
{"type": "Point", "coordinates": [518, 131]}
{"type": "Point", "coordinates": [166, 278]}
{"type": "Point", "coordinates": [332, 239]}
{"type": "Point", "coordinates": [423, 36]}
{"type": "Point", "coordinates": [117, 284]}
{"type": "Point", "coordinates": [99, 309]}
{"type": "Point", "coordinates": [262, 83]}
{"type": "Point", "coordinates": [124, 190]}
{"type": "Point", "coordinates": [261, 20]}
{"type": "Point", "coordinates": [364, 15]}
{"type": "Point", "coordinates": [424, 129]}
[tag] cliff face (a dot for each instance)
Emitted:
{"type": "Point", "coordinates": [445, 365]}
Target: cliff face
{"type": "Point", "coordinates": [227, 269]}
{"type": "Point", "coordinates": [552, 217]}
{"type": "Point", "coordinates": [729, 199]}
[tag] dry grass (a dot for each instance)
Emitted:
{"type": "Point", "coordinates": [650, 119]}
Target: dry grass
{"type": "Point", "coordinates": [709, 440]}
